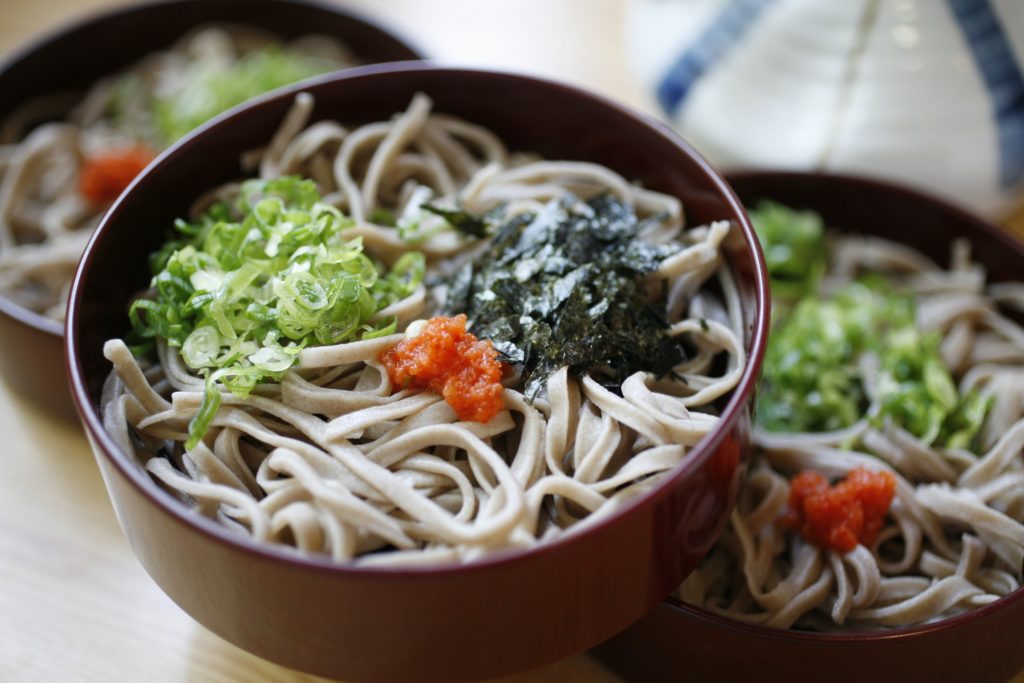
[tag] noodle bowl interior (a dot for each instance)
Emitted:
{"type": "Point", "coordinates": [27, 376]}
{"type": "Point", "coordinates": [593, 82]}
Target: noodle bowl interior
{"type": "Point", "coordinates": [950, 440]}
{"type": "Point", "coordinates": [277, 416]}
{"type": "Point", "coordinates": [64, 158]}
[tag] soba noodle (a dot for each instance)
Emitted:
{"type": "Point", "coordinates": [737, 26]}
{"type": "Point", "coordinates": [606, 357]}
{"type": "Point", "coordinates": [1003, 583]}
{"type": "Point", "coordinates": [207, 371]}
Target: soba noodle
{"type": "Point", "coordinates": [45, 221]}
{"type": "Point", "coordinates": [331, 461]}
{"type": "Point", "coordinates": [954, 536]}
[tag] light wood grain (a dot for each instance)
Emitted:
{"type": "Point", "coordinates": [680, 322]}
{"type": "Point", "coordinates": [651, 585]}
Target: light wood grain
{"type": "Point", "coordinates": [75, 605]}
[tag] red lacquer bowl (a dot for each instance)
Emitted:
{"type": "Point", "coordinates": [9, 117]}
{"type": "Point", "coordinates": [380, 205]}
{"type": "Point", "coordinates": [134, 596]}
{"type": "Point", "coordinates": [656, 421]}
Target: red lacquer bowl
{"type": "Point", "coordinates": [507, 613]}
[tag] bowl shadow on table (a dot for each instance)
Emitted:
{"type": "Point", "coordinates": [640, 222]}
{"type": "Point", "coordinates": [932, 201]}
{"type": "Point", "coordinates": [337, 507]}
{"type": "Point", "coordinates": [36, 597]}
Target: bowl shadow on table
{"type": "Point", "coordinates": [210, 656]}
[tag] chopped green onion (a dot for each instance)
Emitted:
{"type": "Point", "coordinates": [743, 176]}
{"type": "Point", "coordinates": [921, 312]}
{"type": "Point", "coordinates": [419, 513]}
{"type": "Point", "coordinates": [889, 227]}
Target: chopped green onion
{"type": "Point", "coordinates": [247, 287]}
{"type": "Point", "coordinates": [211, 87]}
{"type": "Point", "coordinates": [204, 416]}
{"type": "Point", "coordinates": [794, 249]}
{"type": "Point", "coordinates": [813, 378]}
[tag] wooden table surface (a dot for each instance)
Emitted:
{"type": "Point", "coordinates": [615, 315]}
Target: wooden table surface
{"type": "Point", "coordinates": [75, 605]}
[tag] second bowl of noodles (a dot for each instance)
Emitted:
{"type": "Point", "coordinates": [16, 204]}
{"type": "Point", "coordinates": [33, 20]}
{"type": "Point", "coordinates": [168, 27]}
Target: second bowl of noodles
{"type": "Point", "coordinates": [881, 531]}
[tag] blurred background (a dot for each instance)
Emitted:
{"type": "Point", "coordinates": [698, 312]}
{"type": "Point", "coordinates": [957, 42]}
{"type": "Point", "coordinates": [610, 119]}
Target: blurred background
{"type": "Point", "coordinates": [928, 92]}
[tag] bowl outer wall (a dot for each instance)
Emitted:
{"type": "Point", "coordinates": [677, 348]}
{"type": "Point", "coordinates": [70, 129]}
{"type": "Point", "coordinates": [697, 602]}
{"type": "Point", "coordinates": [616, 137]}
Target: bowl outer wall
{"type": "Point", "coordinates": [32, 363]}
{"type": "Point", "coordinates": [509, 613]}
{"type": "Point", "coordinates": [979, 646]}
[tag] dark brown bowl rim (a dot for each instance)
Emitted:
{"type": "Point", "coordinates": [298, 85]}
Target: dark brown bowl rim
{"type": "Point", "coordinates": [870, 183]}
{"type": "Point", "coordinates": [91, 20]}
{"type": "Point", "coordinates": [687, 611]}
{"type": "Point", "coordinates": [147, 487]}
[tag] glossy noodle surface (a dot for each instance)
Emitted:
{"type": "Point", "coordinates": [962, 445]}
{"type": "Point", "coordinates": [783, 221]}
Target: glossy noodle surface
{"type": "Point", "coordinates": [332, 459]}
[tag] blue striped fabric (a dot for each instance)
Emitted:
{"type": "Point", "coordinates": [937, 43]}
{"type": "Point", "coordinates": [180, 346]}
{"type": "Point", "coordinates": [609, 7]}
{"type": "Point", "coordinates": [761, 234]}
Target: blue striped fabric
{"type": "Point", "coordinates": [994, 57]}
{"type": "Point", "coordinates": [721, 34]}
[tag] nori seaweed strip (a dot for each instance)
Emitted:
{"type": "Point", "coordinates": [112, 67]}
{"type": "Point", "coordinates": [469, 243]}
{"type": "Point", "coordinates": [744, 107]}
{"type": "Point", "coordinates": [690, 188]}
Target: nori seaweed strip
{"type": "Point", "coordinates": [463, 221]}
{"type": "Point", "coordinates": [566, 286]}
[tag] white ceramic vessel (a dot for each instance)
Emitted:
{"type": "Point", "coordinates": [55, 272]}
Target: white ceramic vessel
{"type": "Point", "coordinates": [929, 92]}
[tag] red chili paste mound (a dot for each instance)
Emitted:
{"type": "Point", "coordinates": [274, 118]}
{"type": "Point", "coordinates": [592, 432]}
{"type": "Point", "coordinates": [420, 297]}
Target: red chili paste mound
{"type": "Point", "coordinates": [841, 516]}
{"type": "Point", "coordinates": [449, 361]}
{"type": "Point", "coordinates": [105, 176]}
